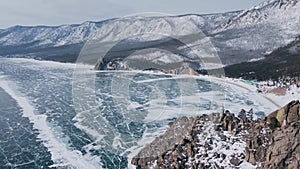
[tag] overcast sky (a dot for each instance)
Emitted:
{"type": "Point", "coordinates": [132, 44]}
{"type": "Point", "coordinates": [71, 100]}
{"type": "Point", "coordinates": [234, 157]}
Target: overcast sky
{"type": "Point", "coordinates": [57, 12]}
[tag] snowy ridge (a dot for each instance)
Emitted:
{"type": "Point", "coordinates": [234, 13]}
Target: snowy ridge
{"type": "Point", "coordinates": [107, 30]}
{"type": "Point", "coordinates": [237, 36]}
{"type": "Point", "coordinates": [269, 11]}
{"type": "Point", "coordinates": [47, 35]}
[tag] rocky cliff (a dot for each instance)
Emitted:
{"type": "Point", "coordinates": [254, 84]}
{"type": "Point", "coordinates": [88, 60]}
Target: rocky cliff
{"type": "Point", "coordinates": [274, 142]}
{"type": "Point", "coordinates": [228, 141]}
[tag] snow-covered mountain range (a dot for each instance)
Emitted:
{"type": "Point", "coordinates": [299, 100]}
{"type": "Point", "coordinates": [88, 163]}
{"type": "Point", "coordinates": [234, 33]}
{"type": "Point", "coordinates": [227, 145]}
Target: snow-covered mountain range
{"type": "Point", "coordinates": [237, 36]}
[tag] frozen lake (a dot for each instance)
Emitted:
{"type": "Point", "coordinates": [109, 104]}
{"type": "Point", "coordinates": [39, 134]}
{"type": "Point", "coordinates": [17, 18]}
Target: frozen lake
{"type": "Point", "coordinates": [53, 118]}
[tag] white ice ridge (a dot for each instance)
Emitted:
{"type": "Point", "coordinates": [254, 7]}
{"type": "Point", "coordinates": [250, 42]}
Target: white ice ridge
{"type": "Point", "coordinates": [59, 152]}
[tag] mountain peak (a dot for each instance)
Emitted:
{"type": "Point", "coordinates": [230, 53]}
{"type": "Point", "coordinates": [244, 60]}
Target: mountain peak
{"type": "Point", "coordinates": [276, 4]}
{"type": "Point", "coordinates": [268, 11]}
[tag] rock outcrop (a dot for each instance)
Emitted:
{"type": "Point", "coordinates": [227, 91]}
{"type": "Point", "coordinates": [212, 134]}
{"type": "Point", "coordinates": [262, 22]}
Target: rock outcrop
{"type": "Point", "coordinates": [227, 141]}
{"type": "Point", "coordinates": [274, 142]}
